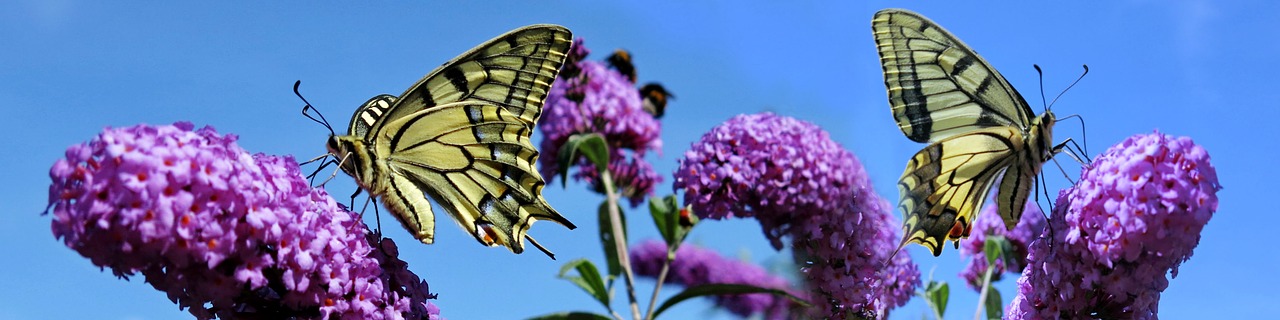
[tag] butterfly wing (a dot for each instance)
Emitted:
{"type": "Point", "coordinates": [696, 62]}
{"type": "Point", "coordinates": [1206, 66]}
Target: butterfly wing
{"type": "Point", "coordinates": [476, 160]}
{"type": "Point", "coordinates": [514, 70]}
{"type": "Point", "coordinates": [938, 87]}
{"type": "Point", "coordinates": [941, 92]}
{"type": "Point", "coordinates": [946, 183]}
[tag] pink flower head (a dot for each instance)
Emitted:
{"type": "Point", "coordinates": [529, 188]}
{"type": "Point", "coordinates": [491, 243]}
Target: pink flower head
{"type": "Point", "coordinates": [591, 98]}
{"type": "Point", "coordinates": [798, 183]}
{"type": "Point", "coordinates": [1134, 217]}
{"type": "Point", "coordinates": [224, 233]}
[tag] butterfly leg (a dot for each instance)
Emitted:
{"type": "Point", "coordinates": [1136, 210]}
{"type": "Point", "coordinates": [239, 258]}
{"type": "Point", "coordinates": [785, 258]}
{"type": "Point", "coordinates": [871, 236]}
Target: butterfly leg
{"type": "Point", "coordinates": [1084, 135]}
{"type": "Point", "coordinates": [351, 204]}
{"type": "Point", "coordinates": [377, 218]}
{"type": "Point", "coordinates": [314, 159]}
{"type": "Point", "coordinates": [335, 172]}
{"type": "Point", "coordinates": [1072, 149]}
{"type": "Point", "coordinates": [311, 178]}
{"type": "Point", "coordinates": [1048, 224]}
{"type": "Point", "coordinates": [1063, 170]}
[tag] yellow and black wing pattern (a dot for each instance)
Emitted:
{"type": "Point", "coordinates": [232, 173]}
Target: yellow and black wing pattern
{"type": "Point", "coordinates": [461, 136]}
{"type": "Point", "coordinates": [979, 129]}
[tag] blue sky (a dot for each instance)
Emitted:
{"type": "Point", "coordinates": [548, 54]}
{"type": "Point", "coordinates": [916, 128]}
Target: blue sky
{"type": "Point", "coordinates": [1202, 69]}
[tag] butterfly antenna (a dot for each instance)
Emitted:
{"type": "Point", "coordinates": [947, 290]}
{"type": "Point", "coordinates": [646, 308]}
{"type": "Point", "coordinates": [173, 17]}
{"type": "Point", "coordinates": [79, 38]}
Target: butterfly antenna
{"type": "Point", "coordinates": [1040, 73]}
{"type": "Point", "coordinates": [540, 247]}
{"type": "Point", "coordinates": [322, 121]}
{"type": "Point", "coordinates": [1055, 99]}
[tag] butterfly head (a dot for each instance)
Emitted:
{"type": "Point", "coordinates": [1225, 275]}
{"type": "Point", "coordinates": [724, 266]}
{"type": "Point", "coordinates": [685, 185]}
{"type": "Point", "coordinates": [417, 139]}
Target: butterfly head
{"type": "Point", "coordinates": [341, 148]}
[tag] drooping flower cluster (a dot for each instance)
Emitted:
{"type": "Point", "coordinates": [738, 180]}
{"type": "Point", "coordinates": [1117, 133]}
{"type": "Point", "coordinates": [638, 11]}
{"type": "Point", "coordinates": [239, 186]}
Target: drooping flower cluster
{"type": "Point", "coordinates": [988, 223]}
{"type": "Point", "coordinates": [1134, 217]}
{"type": "Point", "coordinates": [694, 266]}
{"type": "Point", "coordinates": [224, 233]}
{"type": "Point", "coordinates": [797, 182]}
{"type": "Point", "coordinates": [589, 97]}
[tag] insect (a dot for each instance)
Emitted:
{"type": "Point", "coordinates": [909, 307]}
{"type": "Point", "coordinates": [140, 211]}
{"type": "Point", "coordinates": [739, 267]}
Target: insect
{"type": "Point", "coordinates": [655, 99]}
{"type": "Point", "coordinates": [621, 60]}
{"type": "Point", "coordinates": [654, 94]}
{"type": "Point", "coordinates": [979, 129]}
{"type": "Point", "coordinates": [461, 135]}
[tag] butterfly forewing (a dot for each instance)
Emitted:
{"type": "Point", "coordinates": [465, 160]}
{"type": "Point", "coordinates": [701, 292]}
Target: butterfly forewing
{"type": "Point", "coordinates": [938, 87]}
{"type": "Point", "coordinates": [514, 70]}
{"type": "Point", "coordinates": [370, 113]}
{"type": "Point", "coordinates": [979, 129]}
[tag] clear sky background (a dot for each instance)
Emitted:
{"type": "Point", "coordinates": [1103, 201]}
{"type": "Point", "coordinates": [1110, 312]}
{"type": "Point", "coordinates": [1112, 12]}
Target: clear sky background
{"type": "Point", "coordinates": [1204, 69]}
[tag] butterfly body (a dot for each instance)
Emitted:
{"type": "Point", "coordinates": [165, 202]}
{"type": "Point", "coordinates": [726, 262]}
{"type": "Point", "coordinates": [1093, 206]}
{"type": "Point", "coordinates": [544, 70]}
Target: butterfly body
{"type": "Point", "coordinates": [979, 128]}
{"type": "Point", "coordinates": [461, 136]}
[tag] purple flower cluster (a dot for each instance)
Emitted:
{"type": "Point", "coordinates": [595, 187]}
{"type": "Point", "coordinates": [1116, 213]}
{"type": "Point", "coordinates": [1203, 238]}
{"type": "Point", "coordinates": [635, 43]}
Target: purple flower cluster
{"type": "Point", "coordinates": [694, 266]}
{"type": "Point", "coordinates": [1135, 215]}
{"type": "Point", "coordinates": [596, 99]}
{"type": "Point", "coordinates": [223, 233]}
{"type": "Point", "coordinates": [989, 222]}
{"type": "Point", "coordinates": [797, 182]}
{"type": "Point", "coordinates": [768, 167]}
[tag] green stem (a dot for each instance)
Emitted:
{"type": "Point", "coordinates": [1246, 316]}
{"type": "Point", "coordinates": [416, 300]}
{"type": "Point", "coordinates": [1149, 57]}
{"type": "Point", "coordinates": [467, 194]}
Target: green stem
{"type": "Point", "coordinates": [662, 277]}
{"type": "Point", "coordinates": [982, 297]}
{"type": "Point", "coordinates": [620, 241]}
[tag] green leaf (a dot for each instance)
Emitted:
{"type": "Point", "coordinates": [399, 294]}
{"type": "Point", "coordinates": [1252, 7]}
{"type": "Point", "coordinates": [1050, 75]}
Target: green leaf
{"type": "Point", "coordinates": [723, 289]}
{"type": "Point", "coordinates": [991, 248]}
{"type": "Point", "coordinates": [591, 145]}
{"type": "Point", "coordinates": [995, 307]}
{"type": "Point", "coordinates": [938, 293]}
{"type": "Point", "coordinates": [998, 247]}
{"type": "Point", "coordinates": [664, 218]}
{"type": "Point", "coordinates": [1008, 252]}
{"type": "Point", "coordinates": [588, 279]}
{"type": "Point", "coordinates": [607, 237]}
{"type": "Point", "coordinates": [572, 315]}
{"type": "Point", "coordinates": [673, 222]}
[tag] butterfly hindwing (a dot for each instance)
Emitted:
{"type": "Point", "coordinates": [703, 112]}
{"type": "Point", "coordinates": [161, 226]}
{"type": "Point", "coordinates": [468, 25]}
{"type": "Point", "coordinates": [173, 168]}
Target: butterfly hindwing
{"type": "Point", "coordinates": [476, 159]}
{"type": "Point", "coordinates": [946, 183]}
{"type": "Point", "coordinates": [938, 87]}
